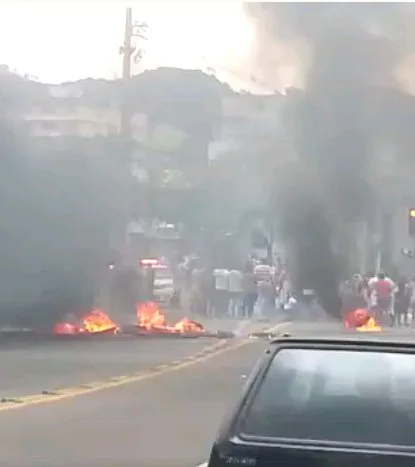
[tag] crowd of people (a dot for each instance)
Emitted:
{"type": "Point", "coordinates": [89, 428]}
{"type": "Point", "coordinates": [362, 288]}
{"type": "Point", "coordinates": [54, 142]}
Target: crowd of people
{"type": "Point", "coordinates": [259, 288]}
{"type": "Point", "coordinates": [391, 301]}
{"type": "Point", "coordinates": [240, 291]}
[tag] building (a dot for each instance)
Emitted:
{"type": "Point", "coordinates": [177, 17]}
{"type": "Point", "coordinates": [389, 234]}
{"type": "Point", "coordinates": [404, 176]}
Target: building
{"type": "Point", "coordinates": [245, 117]}
{"type": "Point", "coordinates": [78, 109]}
{"type": "Point", "coordinates": [81, 121]}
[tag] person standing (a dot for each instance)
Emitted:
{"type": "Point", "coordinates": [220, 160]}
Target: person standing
{"type": "Point", "coordinates": [250, 293]}
{"type": "Point", "coordinates": [401, 303]}
{"type": "Point", "coordinates": [263, 271]}
{"type": "Point", "coordinates": [206, 291]}
{"type": "Point", "coordinates": [282, 287]}
{"type": "Point", "coordinates": [383, 289]}
{"type": "Point", "coordinates": [195, 289]}
{"type": "Point", "coordinates": [235, 283]}
{"type": "Point", "coordinates": [265, 306]}
{"type": "Point", "coordinates": [411, 287]}
{"type": "Point", "coordinates": [221, 292]}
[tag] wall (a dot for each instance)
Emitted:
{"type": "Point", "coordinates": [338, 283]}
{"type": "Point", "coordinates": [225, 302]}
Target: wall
{"type": "Point", "coordinates": [81, 121]}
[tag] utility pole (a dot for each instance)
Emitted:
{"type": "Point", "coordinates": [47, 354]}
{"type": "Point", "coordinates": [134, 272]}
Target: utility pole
{"type": "Point", "coordinates": [127, 48]}
{"type": "Point", "coordinates": [129, 52]}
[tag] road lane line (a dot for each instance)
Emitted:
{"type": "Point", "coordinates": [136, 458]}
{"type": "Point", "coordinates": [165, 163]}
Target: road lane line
{"type": "Point", "coordinates": [72, 392]}
{"type": "Point", "coordinates": [44, 397]}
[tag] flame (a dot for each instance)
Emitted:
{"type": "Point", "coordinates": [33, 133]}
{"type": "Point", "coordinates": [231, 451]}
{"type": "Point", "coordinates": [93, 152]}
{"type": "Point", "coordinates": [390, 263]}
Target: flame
{"type": "Point", "coordinates": [370, 326]}
{"type": "Point", "coordinates": [98, 321]}
{"type": "Point", "coordinates": [361, 320]}
{"type": "Point", "coordinates": [93, 322]}
{"type": "Point", "coordinates": [151, 318]}
{"type": "Point", "coordinates": [187, 325]}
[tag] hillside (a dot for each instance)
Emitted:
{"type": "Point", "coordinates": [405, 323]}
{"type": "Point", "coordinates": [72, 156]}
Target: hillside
{"type": "Point", "coordinates": [187, 98]}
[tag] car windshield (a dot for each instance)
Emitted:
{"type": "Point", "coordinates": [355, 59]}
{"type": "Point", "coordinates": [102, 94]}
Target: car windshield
{"type": "Point", "coordinates": [335, 395]}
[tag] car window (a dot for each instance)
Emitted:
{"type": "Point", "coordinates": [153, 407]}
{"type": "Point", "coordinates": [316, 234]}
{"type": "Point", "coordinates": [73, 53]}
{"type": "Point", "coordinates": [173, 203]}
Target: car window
{"type": "Point", "coordinates": [333, 395]}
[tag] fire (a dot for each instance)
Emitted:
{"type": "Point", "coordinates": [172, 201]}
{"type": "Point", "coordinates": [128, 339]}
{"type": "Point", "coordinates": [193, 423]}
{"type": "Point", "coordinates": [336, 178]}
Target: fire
{"type": "Point", "coordinates": [187, 325]}
{"type": "Point", "coordinates": [93, 322]}
{"type": "Point", "coordinates": [151, 318]}
{"type": "Point", "coordinates": [361, 320]}
{"type": "Point", "coordinates": [370, 326]}
{"type": "Point", "coordinates": [98, 321]}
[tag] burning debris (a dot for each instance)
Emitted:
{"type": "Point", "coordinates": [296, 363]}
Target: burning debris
{"type": "Point", "coordinates": [94, 322]}
{"type": "Point", "coordinates": [353, 64]}
{"type": "Point", "coordinates": [150, 318]}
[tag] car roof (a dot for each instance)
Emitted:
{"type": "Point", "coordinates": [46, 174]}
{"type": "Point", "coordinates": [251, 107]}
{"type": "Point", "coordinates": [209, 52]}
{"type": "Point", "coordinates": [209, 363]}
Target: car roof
{"type": "Point", "coordinates": [333, 333]}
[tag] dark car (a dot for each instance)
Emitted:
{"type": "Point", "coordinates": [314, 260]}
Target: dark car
{"type": "Point", "coordinates": [332, 399]}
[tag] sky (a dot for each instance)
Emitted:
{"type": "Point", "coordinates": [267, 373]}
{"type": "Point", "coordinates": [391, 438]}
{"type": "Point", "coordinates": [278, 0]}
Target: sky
{"type": "Point", "coordinates": [58, 41]}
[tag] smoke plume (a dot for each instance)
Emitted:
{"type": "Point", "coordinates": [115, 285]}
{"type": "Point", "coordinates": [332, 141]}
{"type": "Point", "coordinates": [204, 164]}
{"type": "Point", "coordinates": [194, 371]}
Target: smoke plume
{"type": "Point", "coordinates": [59, 207]}
{"type": "Point", "coordinates": [351, 63]}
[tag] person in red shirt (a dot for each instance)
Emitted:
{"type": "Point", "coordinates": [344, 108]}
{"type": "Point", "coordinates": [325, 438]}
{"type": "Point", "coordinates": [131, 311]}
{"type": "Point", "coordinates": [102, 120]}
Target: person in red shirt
{"type": "Point", "coordinates": [383, 289]}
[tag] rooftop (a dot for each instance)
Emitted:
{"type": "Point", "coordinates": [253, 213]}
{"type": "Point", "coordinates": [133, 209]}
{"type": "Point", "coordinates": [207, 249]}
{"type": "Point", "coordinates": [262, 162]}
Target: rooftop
{"type": "Point", "coordinates": [333, 333]}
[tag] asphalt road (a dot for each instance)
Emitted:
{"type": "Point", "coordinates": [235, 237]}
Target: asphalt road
{"type": "Point", "coordinates": [27, 369]}
{"type": "Point", "coordinates": [30, 369]}
{"type": "Point", "coordinates": [166, 421]}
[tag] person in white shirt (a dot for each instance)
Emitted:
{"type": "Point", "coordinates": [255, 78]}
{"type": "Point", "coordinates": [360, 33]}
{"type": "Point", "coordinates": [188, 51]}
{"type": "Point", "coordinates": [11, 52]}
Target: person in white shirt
{"type": "Point", "coordinates": [265, 306]}
{"type": "Point", "coordinates": [263, 271]}
{"type": "Point", "coordinates": [291, 303]}
{"type": "Point", "coordinates": [235, 284]}
{"type": "Point", "coordinates": [266, 289]}
{"type": "Point", "coordinates": [221, 292]}
{"type": "Point", "coordinates": [372, 299]}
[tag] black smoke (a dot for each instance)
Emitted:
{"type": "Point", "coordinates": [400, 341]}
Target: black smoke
{"type": "Point", "coordinates": [61, 203]}
{"type": "Point", "coordinates": [348, 62]}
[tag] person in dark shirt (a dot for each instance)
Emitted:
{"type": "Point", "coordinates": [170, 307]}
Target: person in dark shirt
{"type": "Point", "coordinates": [402, 302]}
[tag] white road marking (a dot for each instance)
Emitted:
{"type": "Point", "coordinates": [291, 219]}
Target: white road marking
{"type": "Point", "coordinates": [247, 326]}
{"type": "Point", "coordinates": [277, 327]}
{"type": "Point", "coordinates": [205, 464]}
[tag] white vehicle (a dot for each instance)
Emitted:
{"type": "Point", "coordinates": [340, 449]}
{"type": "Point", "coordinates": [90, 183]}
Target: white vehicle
{"type": "Point", "coordinates": [163, 285]}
